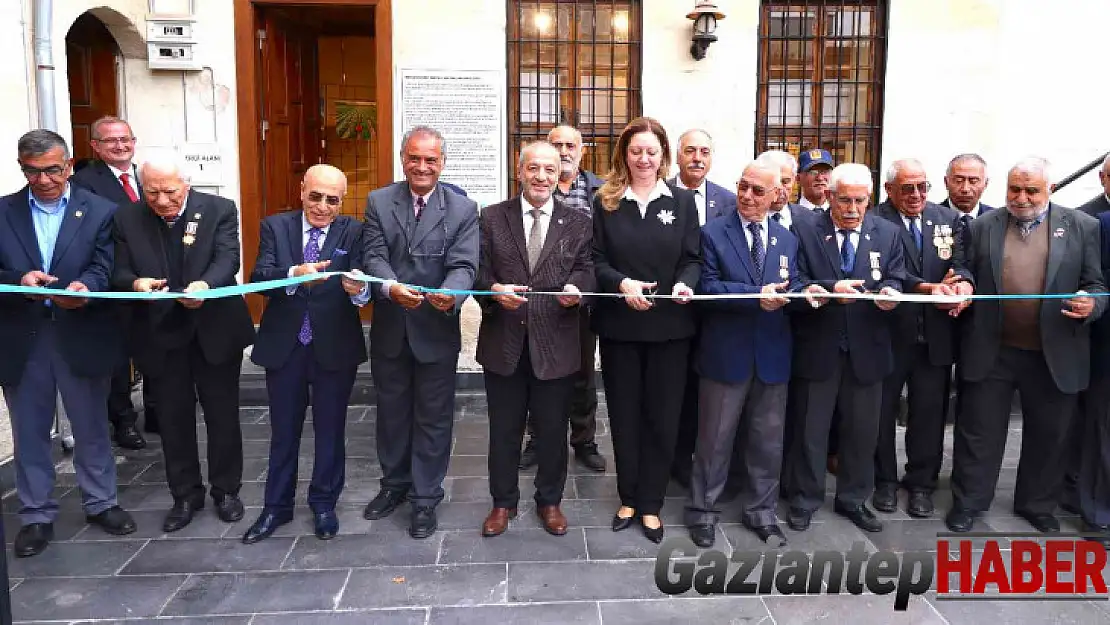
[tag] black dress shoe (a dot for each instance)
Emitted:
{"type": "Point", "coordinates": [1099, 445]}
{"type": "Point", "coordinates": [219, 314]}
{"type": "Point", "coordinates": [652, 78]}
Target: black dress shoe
{"type": "Point", "coordinates": [590, 457]}
{"type": "Point", "coordinates": [383, 504]}
{"type": "Point", "coordinates": [960, 520]}
{"type": "Point", "coordinates": [181, 514]}
{"type": "Point", "coordinates": [1097, 533]}
{"type": "Point", "coordinates": [128, 437]}
{"type": "Point", "coordinates": [528, 456]}
{"type": "Point", "coordinates": [326, 524]}
{"type": "Point", "coordinates": [799, 519]}
{"type": "Point", "coordinates": [622, 523]}
{"type": "Point", "coordinates": [771, 535]}
{"type": "Point", "coordinates": [921, 504]}
{"type": "Point", "coordinates": [703, 535]}
{"type": "Point", "coordinates": [423, 522]}
{"type": "Point", "coordinates": [885, 498]}
{"type": "Point", "coordinates": [1045, 523]}
{"type": "Point", "coordinates": [33, 539]}
{"type": "Point", "coordinates": [266, 525]}
{"type": "Point", "coordinates": [114, 520]}
{"type": "Point", "coordinates": [861, 516]}
{"type": "Point", "coordinates": [655, 535]}
{"type": "Point", "coordinates": [229, 508]}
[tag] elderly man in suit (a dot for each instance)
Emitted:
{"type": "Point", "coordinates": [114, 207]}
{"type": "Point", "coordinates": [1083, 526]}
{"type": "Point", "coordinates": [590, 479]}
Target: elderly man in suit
{"type": "Point", "coordinates": [743, 359]}
{"type": "Point", "coordinates": [575, 189]}
{"type": "Point", "coordinates": [694, 158]}
{"type": "Point", "coordinates": [417, 236]}
{"type": "Point", "coordinates": [966, 179]}
{"type": "Point", "coordinates": [529, 346]}
{"type": "Point", "coordinates": [59, 236]}
{"type": "Point", "coordinates": [114, 177]}
{"type": "Point", "coordinates": [923, 341]}
{"type": "Point", "coordinates": [1038, 347]}
{"type": "Point", "coordinates": [1101, 202]}
{"type": "Point", "coordinates": [310, 343]}
{"type": "Point", "coordinates": [186, 241]}
{"type": "Point", "coordinates": [842, 349]}
{"type": "Point", "coordinates": [783, 211]}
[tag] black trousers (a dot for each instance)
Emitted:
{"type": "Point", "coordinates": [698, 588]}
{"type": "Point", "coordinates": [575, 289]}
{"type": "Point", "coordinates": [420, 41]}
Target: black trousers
{"type": "Point", "coordinates": [1093, 479]}
{"type": "Point", "coordinates": [582, 410]}
{"type": "Point", "coordinates": [644, 385]}
{"type": "Point", "coordinates": [981, 428]}
{"type": "Point", "coordinates": [813, 402]}
{"type": "Point", "coordinates": [927, 389]}
{"type": "Point", "coordinates": [512, 399]}
{"type": "Point", "coordinates": [187, 377]}
{"type": "Point", "coordinates": [416, 413]}
{"type": "Point", "coordinates": [687, 437]}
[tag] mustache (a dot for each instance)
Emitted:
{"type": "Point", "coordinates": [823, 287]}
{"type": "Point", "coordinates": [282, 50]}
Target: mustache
{"type": "Point", "coordinates": [696, 166]}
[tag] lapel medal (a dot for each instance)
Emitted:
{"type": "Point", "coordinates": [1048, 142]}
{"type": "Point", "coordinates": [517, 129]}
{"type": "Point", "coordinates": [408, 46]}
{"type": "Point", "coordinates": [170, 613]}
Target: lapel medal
{"type": "Point", "coordinates": [784, 267]}
{"type": "Point", "coordinates": [78, 214]}
{"type": "Point", "coordinates": [190, 233]}
{"type": "Point", "coordinates": [876, 275]}
{"type": "Point", "coordinates": [666, 216]}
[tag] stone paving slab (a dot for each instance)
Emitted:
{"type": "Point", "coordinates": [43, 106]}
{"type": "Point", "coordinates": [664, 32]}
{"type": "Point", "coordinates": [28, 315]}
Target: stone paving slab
{"type": "Point", "coordinates": [373, 572]}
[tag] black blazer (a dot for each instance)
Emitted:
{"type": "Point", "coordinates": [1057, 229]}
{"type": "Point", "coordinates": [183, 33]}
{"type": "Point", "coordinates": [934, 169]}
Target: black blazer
{"type": "Point", "coordinates": [650, 249]}
{"type": "Point", "coordinates": [1096, 206]}
{"type": "Point", "coordinates": [936, 326]}
{"type": "Point", "coordinates": [222, 326]}
{"type": "Point", "coordinates": [89, 336]}
{"type": "Point", "coordinates": [337, 338]}
{"type": "Point", "coordinates": [101, 181]}
{"type": "Point", "coordinates": [817, 332]}
{"type": "Point", "coordinates": [1073, 264]}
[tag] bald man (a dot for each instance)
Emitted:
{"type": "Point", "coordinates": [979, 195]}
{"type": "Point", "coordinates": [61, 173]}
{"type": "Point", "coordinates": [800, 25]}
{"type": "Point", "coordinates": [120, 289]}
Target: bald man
{"type": "Point", "coordinates": [310, 343]}
{"type": "Point", "coordinates": [186, 241]}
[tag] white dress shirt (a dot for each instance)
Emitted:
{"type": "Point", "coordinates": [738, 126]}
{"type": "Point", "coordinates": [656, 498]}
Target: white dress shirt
{"type": "Point", "coordinates": [810, 205]}
{"type": "Point", "coordinates": [306, 233]}
{"type": "Point", "coordinates": [545, 217]}
{"type": "Point", "coordinates": [132, 179]}
{"type": "Point", "coordinates": [762, 232]}
{"type": "Point", "coordinates": [660, 189]}
{"type": "Point", "coordinates": [699, 197]}
{"type": "Point", "coordinates": [786, 218]}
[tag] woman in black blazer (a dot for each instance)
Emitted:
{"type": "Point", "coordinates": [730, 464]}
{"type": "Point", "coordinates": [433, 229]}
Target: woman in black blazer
{"type": "Point", "coordinates": [646, 241]}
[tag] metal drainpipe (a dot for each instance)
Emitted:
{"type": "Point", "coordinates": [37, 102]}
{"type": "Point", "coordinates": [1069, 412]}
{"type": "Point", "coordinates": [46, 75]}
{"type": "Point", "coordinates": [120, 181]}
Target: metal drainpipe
{"type": "Point", "coordinates": [44, 63]}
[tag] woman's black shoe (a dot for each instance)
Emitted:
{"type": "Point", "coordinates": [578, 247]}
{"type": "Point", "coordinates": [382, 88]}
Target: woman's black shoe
{"type": "Point", "coordinates": [654, 535]}
{"type": "Point", "coordinates": [622, 523]}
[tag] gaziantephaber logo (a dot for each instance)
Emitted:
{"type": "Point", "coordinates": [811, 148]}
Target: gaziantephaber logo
{"type": "Point", "coordinates": [1004, 566]}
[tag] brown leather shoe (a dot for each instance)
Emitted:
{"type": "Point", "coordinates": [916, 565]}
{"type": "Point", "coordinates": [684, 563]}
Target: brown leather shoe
{"type": "Point", "coordinates": [498, 521]}
{"type": "Point", "coordinates": [553, 520]}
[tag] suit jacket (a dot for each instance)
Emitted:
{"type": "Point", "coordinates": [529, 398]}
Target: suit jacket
{"type": "Point", "coordinates": [924, 321]}
{"type": "Point", "coordinates": [550, 329]}
{"type": "Point", "coordinates": [99, 179]}
{"type": "Point", "coordinates": [222, 327]}
{"type": "Point", "coordinates": [1096, 206]}
{"type": "Point", "coordinates": [1100, 329]}
{"type": "Point", "coordinates": [737, 336]}
{"type": "Point", "coordinates": [719, 201]}
{"type": "Point", "coordinates": [89, 336]}
{"type": "Point", "coordinates": [1073, 264]}
{"type": "Point", "coordinates": [438, 251]}
{"type": "Point", "coordinates": [666, 251]}
{"type": "Point", "coordinates": [818, 332]}
{"type": "Point", "coordinates": [337, 339]}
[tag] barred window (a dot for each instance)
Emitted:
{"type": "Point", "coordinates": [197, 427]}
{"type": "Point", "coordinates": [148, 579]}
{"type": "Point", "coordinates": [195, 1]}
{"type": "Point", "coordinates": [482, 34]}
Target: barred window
{"type": "Point", "coordinates": [821, 67]}
{"type": "Point", "coordinates": [573, 62]}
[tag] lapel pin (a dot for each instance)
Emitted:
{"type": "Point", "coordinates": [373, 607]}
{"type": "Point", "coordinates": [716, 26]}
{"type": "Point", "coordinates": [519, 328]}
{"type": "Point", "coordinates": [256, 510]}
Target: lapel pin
{"type": "Point", "coordinates": [828, 237]}
{"type": "Point", "coordinates": [928, 223]}
{"type": "Point", "coordinates": [774, 241]}
{"type": "Point", "coordinates": [867, 236]}
{"type": "Point", "coordinates": [196, 215]}
{"type": "Point", "coordinates": [560, 222]}
{"type": "Point", "coordinates": [78, 214]}
{"type": "Point", "coordinates": [1059, 232]}
{"type": "Point", "coordinates": [712, 203]}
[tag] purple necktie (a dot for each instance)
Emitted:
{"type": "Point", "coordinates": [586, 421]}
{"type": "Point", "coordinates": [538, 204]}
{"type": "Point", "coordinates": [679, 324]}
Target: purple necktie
{"type": "Point", "coordinates": [311, 255]}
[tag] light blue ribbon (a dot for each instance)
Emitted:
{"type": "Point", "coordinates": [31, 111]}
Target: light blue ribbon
{"type": "Point", "coordinates": [266, 285]}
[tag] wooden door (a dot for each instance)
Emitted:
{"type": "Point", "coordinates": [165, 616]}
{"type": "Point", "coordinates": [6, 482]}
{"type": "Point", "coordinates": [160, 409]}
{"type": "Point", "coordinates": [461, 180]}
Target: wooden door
{"type": "Point", "coordinates": [290, 110]}
{"type": "Point", "coordinates": [91, 54]}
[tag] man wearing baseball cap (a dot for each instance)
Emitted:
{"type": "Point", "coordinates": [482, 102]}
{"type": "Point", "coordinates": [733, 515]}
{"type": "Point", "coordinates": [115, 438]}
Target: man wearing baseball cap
{"type": "Point", "coordinates": [813, 177]}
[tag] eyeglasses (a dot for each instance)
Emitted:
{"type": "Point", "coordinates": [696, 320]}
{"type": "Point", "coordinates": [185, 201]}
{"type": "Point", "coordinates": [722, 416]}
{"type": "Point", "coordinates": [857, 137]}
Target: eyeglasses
{"type": "Point", "coordinates": [116, 140]}
{"type": "Point", "coordinates": [921, 187]}
{"type": "Point", "coordinates": [331, 200]}
{"type": "Point", "coordinates": [54, 171]}
{"type": "Point", "coordinates": [743, 187]}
